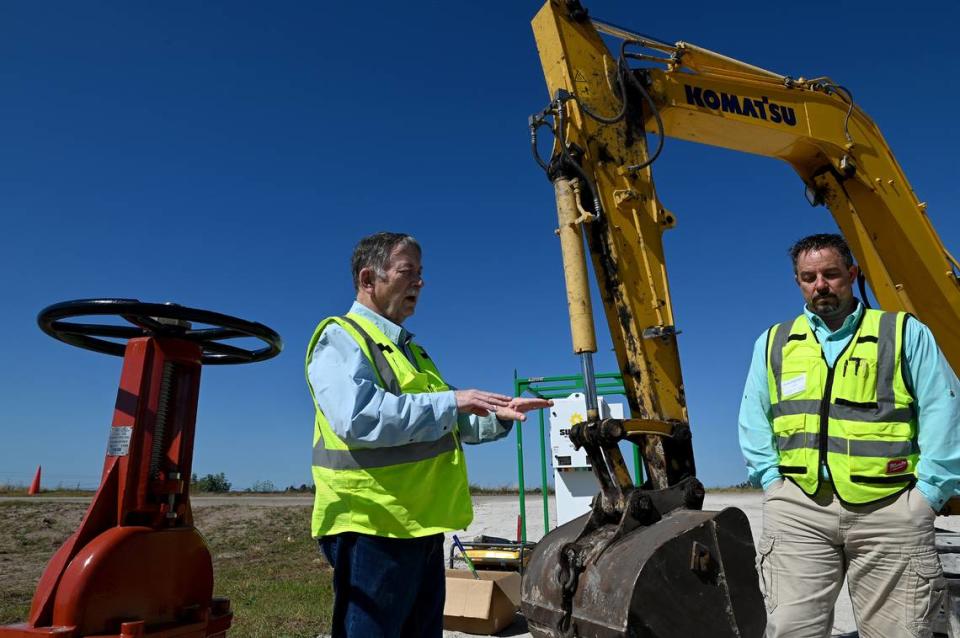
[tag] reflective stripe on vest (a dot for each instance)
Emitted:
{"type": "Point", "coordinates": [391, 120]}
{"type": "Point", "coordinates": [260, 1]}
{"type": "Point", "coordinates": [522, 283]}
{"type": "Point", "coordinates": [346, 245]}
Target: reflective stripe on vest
{"type": "Point", "coordinates": [379, 361]}
{"type": "Point", "coordinates": [845, 446]}
{"type": "Point", "coordinates": [869, 442]}
{"type": "Point", "coordinates": [366, 458]}
{"type": "Point", "coordinates": [401, 491]}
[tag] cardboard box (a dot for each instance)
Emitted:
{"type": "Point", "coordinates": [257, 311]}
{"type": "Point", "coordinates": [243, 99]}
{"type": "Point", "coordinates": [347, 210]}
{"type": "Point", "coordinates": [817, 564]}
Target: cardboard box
{"type": "Point", "coordinates": [482, 606]}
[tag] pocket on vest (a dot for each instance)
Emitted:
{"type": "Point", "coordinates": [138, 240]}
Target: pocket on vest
{"type": "Point", "coordinates": [857, 383]}
{"type": "Point", "coordinates": [796, 441]}
{"type": "Point", "coordinates": [881, 460]}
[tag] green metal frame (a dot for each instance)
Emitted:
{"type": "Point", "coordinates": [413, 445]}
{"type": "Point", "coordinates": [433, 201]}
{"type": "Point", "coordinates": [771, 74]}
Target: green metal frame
{"type": "Point", "coordinates": [608, 383]}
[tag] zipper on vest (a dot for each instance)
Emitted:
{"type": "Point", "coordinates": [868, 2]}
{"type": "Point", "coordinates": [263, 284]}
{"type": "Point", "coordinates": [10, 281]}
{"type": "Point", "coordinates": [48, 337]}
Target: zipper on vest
{"type": "Point", "coordinates": [828, 394]}
{"type": "Point", "coordinates": [825, 420]}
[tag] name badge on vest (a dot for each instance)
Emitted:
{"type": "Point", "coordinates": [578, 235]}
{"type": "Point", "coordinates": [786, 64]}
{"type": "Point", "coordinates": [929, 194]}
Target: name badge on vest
{"type": "Point", "coordinates": [793, 386]}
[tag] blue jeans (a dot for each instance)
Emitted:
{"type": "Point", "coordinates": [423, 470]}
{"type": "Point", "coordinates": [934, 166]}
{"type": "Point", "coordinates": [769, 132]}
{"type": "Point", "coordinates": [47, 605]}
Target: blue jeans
{"type": "Point", "coordinates": [386, 587]}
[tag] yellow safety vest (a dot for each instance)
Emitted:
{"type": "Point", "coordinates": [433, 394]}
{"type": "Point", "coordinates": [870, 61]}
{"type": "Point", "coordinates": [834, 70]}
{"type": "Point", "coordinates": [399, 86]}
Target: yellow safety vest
{"type": "Point", "coordinates": [402, 491]}
{"type": "Point", "coordinates": [858, 418]}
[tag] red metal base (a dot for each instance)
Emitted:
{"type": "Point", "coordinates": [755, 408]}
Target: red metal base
{"type": "Point", "coordinates": [161, 579]}
{"type": "Point", "coordinates": [214, 627]}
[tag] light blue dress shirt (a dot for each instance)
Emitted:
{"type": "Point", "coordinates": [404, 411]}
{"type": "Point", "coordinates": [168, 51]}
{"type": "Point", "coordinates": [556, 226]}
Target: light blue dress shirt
{"type": "Point", "coordinates": [928, 375]}
{"type": "Point", "coordinates": [365, 415]}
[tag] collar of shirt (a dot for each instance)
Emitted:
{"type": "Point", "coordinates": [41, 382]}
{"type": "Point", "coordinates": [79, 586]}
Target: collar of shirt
{"type": "Point", "coordinates": [397, 334]}
{"type": "Point", "coordinates": [823, 332]}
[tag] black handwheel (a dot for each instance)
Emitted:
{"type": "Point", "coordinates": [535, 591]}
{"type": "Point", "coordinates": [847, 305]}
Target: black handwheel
{"type": "Point", "coordinates": [157, 320]}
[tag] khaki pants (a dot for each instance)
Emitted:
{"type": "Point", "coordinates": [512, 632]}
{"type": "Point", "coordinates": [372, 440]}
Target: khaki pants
{"type": "Point", "coordinates": [885, 550]}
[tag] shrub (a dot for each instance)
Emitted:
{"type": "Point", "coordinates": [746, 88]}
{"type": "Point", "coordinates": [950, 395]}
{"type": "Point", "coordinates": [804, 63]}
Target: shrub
{"type": "Point", "coordinates": [217, 483]}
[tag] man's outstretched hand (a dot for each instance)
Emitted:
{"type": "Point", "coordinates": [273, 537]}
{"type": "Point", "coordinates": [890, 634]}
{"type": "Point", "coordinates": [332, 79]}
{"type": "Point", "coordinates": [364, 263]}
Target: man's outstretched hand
{"type": "Point", "coordinates": [482, 403]}
{"type": "Point", "coordinates": [519, 405]}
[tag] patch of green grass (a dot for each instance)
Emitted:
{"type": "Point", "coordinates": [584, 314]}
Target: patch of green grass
{"type": "Point", "coordinates": [268, 566]}
{"type": "Point", "coordinates": [14, 604]}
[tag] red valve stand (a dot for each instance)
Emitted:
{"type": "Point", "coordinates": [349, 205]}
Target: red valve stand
{"type": "Point", "coordinates": [136, 567]}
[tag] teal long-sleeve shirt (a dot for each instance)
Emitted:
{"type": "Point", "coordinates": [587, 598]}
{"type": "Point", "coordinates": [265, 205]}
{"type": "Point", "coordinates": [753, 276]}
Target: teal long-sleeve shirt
{"type": "Point", "coordinates": [927, 374]}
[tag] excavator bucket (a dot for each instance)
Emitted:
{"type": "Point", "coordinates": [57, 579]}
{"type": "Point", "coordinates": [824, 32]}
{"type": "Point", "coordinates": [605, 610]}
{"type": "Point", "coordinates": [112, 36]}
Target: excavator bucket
{"type": "Point", "coordinates": [689, 574]}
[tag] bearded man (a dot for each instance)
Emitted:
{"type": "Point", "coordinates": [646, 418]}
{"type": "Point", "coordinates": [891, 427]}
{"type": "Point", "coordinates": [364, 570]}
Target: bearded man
{"type": "Point", "coordinates": [849, 423]}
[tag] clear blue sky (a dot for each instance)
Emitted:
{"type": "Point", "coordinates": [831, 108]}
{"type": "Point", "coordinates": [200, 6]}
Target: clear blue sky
{"type": "Point", "coordinates": [228, 155]}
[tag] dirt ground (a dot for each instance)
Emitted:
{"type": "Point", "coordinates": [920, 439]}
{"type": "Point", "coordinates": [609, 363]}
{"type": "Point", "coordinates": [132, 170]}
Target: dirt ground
{"type": "Point", "coordinates": [32, 528]}
{"type": "Point", "coordinates": [29, 534]}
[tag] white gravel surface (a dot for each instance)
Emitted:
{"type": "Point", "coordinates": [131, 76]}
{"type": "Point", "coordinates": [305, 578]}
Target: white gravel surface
{"type": "Point", "coordinates": [497, 516]}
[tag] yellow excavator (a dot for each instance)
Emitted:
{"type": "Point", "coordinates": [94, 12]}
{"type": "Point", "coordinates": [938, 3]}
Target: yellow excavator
{"type": "Point", "coordinates": [647, 561]}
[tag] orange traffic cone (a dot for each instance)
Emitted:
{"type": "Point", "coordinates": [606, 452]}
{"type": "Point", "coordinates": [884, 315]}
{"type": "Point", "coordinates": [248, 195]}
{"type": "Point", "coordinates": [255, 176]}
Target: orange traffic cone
{"type": "Point", "coordinates": [35, 486]}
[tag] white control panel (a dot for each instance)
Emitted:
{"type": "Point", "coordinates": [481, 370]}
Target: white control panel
{"type": "Point", "coordinates": [573, 477]}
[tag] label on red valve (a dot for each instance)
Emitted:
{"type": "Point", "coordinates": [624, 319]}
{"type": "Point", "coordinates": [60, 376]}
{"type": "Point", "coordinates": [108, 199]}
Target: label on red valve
{"type": "Point", "coordinates": [119, 442]}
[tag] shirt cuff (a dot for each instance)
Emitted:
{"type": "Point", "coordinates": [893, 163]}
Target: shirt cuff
{"type": "Point", "coordinates": [771, 475]}
{"type": "Point", "coordinates": [933, 494]}
{"type": "Point", "coordinates": [445, 406]}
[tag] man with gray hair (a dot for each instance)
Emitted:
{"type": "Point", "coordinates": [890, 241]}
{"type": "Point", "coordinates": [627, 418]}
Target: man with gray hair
{"type": "Point", "coordinates": [388, 462]}
{"type": "Point", "coordinates": [849, 424]}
